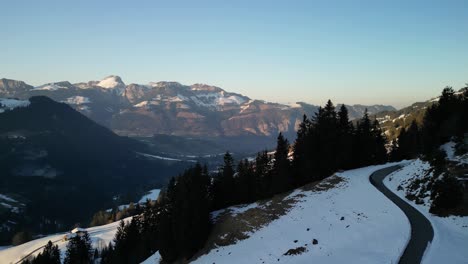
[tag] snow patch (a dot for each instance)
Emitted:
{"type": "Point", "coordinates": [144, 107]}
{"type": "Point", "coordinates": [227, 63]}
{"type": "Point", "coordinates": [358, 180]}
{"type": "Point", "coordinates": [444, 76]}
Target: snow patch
{"type": "Point", "coordinates": [8, 199]}
{"type": "Point", "coordinates": [10, 104]}
{"type": "Point", "coordinates": [77, 100]}
{"type": "Point", "coordinates": [449, 149]}
{"type": "Point", "coordinates": [49, 87]}
{"type": "Point", "coordinates": [152, 195]}
{"type": "Point", "coordinates": [156, 258]}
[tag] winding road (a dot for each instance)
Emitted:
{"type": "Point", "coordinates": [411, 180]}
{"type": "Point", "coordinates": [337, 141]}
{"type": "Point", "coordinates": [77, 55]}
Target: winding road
{"type": "Point", "coordinates": [421, 229]}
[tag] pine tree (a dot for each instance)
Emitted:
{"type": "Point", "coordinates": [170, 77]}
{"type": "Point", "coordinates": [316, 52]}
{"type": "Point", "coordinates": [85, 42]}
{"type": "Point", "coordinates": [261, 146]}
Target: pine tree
{"type": "Point", "coordinates": [185, 215]}
{"type": "Point", "coordinates": [409, 142]}
{"type": "Point", "coordinates": [446, 194]}
{"type": "Point", "coordinates": [168, 248]}
{"type": "Point", "coordinates": [245, 182]}
{"type": "Point", "coordinates": [281, 180]}
{"type": "Point", "coordinates": [50, 255]}
{"type": "Point", "coordinates": [262, 175]}
{"type": "Point", "coordinates": [395, 151]}
{"type": "Point", "coordinates": [345, 139]}
{"type": "Point", "coordinates": [301, 163]}
{"type": "Point", "coordinates": [326, 136]}
{"type": "Point", "coordinates": [369, 142]}
{"type": "Point", "coordinates": [79, 250]}
{"type": "Point", "coordinates": [224, 193]}
{"type": "Point", "coordinates": [107, 254]}
{"type": "Point", "coordinates": [379, 140]}
{"type": "Point", "coordinates": [150, 227]}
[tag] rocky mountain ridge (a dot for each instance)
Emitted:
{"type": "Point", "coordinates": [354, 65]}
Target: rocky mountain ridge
{"type": "Point", "coordinates": [173, 108]}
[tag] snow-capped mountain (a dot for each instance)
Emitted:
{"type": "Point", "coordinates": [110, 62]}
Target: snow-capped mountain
{"type": "Point", "coordinates": [173, 108]}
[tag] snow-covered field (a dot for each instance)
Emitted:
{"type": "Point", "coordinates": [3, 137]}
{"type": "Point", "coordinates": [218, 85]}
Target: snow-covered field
{"type": "Point", "coordinates": [100, 236]}
{"type": "Point", "coordinates": [352, 223]}
{"type": "Point", "coordinates": [449, 149]}
{"type": "Point", "coordinates": [151, 195]}
{"type": "Point", "coordinates": [450, 244]}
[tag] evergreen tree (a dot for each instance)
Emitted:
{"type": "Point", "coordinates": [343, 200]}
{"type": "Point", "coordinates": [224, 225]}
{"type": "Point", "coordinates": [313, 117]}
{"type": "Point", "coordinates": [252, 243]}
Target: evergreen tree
{"type": "Point", "coordinates": [345, 139]}
{"type": "Point", "coordinates": [50, 255]}
{"type": "Point", "coordinates": [326, 137]}
{"type": "Point", "coordinates": [409, 142]}
{"type": "Point", "coordinates": [168, 249]}
{"type": "Point", "coordinates": [369, 143]}
{"type": "Point", "coordinates": [446, 194]}
{"type": "Point", "coordinates": [245, 182]}
{"type": "Point", "coordinates": [224, 193]}
{"type": "Point", "coordinates": [79, 250]}
{"type": "Point", "coordinates": [262, 175]}
{"type": "Point", "coordinates": [107, 254]}
{"type": "Point", "coordinates": [128, 245]}
{"type": "Point", "coordinates": [395, 151]}
{"type": "Point", "coordinates": [301, 164]}
{"type": "Point", "coordinates": [380, 151]}
{"type": "Point", "coordinates": [281, 180]}
{"type": "Point", "coordinates": [150, 227]}
{"type": "Point", "coordinates": [185, 215]}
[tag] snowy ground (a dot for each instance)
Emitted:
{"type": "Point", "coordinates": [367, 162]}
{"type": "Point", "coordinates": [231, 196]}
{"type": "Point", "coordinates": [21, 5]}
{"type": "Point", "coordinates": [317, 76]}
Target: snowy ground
{"type": "Point", "coordinates": [151, 195]}
{"type": "Point", "coordinates": [100, 236]}
{"type": "Point", "coordinates": [449, 149]}
{"type": "Point", "coordinates": [450, 244]}
{"type": "Point", "coordinates": [352, 222]}
{"type": "Point", "coordinates": [154, 259]}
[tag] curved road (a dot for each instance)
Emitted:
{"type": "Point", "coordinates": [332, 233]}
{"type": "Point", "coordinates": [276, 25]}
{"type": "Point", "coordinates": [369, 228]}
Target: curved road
{"type": "Point", "coordinates": [421, 229]}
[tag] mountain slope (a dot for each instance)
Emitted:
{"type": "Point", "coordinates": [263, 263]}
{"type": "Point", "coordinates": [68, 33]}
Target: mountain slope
{"type": "Point", "coordinates": [393, 121]}
{"type": "Point", "coordinates": [63, 167]}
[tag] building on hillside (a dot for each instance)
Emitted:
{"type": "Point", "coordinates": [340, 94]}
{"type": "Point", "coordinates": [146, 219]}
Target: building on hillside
{"type": "Point", "coordinates": [79, 231]}
{"type": "Point", "coordinates": [75, 232]}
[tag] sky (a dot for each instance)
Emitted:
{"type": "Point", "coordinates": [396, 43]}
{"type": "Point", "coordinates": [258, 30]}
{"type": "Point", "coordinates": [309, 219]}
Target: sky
{"type": "Point", "coordinates": [367, 52]}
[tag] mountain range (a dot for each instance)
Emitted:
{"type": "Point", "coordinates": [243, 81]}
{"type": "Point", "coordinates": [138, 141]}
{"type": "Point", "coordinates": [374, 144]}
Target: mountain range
{"type": "Point", "coordinates": [174, 109]}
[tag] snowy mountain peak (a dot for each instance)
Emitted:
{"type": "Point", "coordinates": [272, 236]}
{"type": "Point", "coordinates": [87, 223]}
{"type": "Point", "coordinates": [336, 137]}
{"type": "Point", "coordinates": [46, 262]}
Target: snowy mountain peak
{"type": "Point", "coordinates": [111, 82]}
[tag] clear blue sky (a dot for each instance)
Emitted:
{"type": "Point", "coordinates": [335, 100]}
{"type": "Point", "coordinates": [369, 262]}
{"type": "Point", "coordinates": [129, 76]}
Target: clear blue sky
{"type": "Point", "coordinates": [389, 52]}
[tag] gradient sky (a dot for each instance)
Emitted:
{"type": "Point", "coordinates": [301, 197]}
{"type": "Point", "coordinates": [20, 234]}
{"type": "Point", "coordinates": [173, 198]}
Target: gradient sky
{"type": "Point", "coordinates": [369, 52]}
